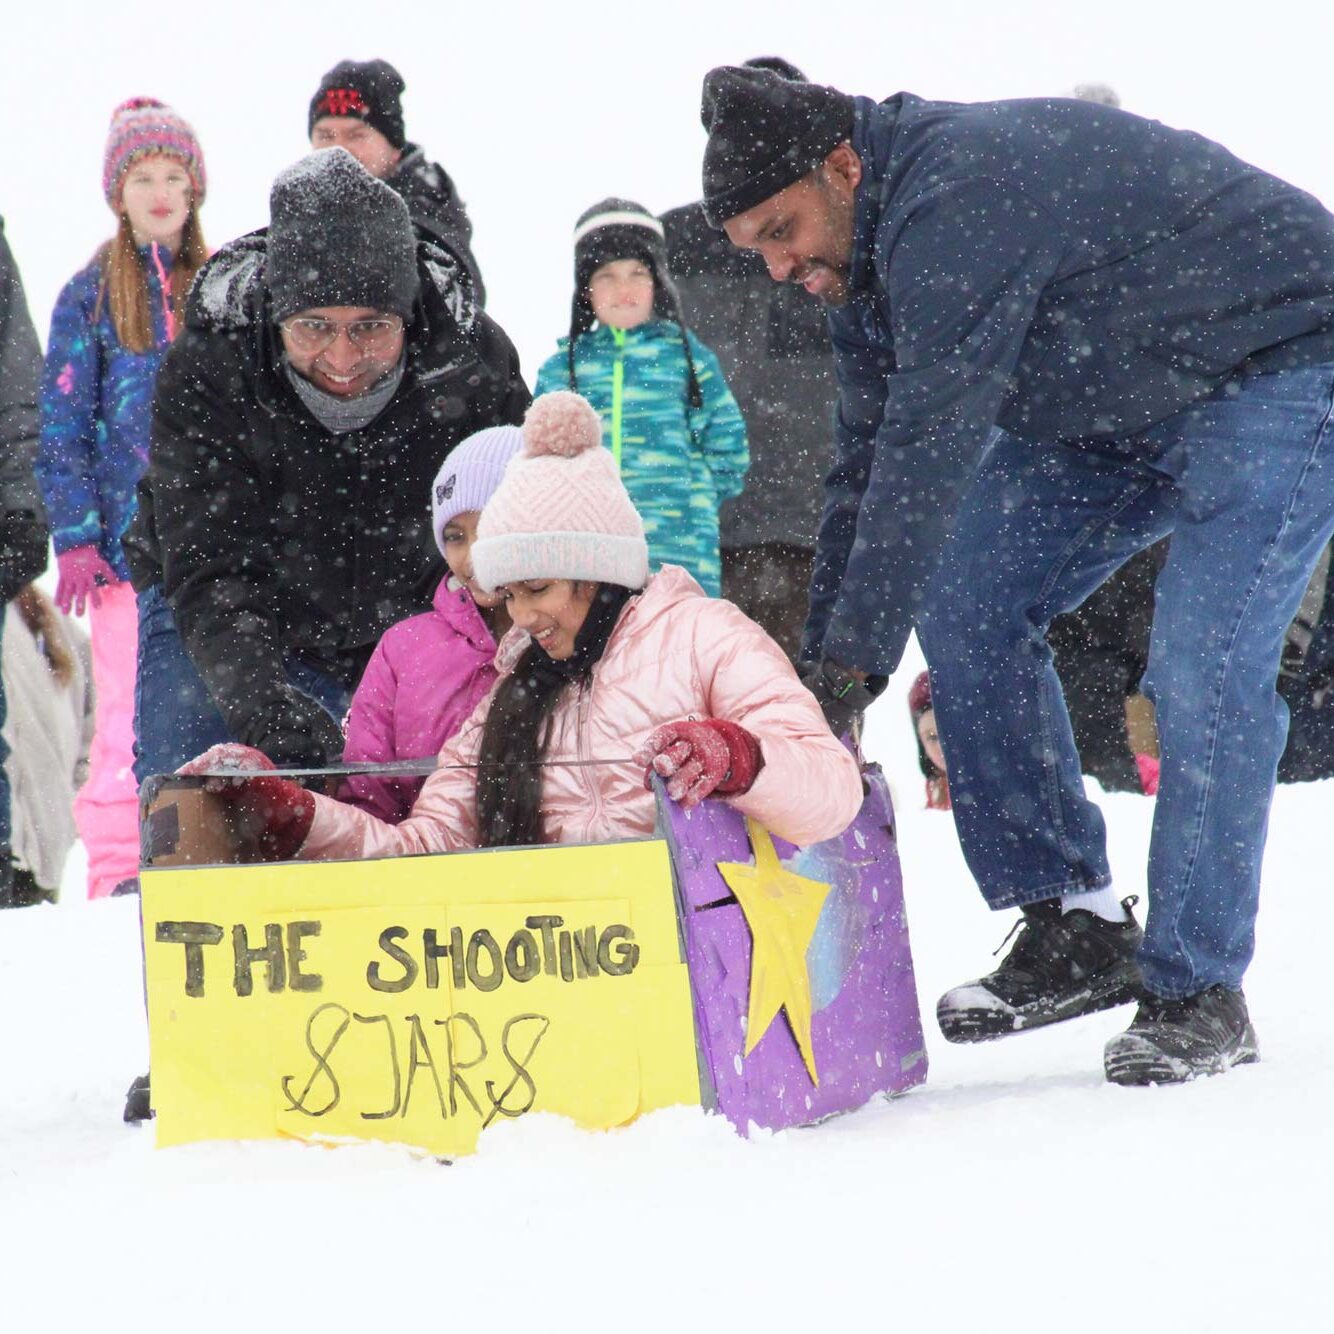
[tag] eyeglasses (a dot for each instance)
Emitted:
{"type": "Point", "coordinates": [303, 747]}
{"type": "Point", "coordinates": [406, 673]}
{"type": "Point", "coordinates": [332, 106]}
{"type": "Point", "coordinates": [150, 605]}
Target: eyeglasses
{"type": "Point", "coordinates": [310, 334]}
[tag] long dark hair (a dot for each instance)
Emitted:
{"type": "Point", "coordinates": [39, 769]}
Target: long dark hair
{"type": "Point", "coordinates": [517, 731]}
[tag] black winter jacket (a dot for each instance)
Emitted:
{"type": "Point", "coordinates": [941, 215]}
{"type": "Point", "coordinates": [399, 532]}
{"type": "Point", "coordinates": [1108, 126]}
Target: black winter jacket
{"type": "Point", "coordinates": [772, 340]}
{"type": "Point", "coordinates": [23, 530]}
{"type": "Point", "coordinates": [1068, 271]}
{"type": "Point", "coordinates": [270, 534]}
{"type": "Point", "coordinates": [428, 191]}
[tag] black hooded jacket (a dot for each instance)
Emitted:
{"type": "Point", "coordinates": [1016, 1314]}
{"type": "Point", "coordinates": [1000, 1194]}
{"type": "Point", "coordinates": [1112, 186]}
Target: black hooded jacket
{"type": "Point", "coordinates": [23, 530]}
{"type": "Point", "coordinates": [271, 535]}
{"type": "Point", "coordinates": [428, 191]}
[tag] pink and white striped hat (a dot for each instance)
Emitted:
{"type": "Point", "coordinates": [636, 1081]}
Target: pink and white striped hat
{"type": "Point", "coordinates": [140, 127]}
{"type": "Point", "coordinates": [561, 511]}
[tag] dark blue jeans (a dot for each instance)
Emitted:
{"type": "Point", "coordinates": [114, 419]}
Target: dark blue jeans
{"type": "Point", "coordinates": [1244, 483]}
{"type": "Point", "coordinates": [175, 717]}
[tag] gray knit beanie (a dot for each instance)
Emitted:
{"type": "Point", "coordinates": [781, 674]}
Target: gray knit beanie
{"type": "Point", "coordinates": [338, 237]}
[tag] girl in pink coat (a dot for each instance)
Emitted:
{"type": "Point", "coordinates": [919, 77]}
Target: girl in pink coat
{"type": "Point", "coordinates": [429, 672]}
{"type": "Point", "coordinates": [607, 674]}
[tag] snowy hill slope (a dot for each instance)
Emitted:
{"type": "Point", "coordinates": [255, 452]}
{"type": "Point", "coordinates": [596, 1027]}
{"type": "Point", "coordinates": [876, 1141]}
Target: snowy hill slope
{"type": "Point", "coordinates": [1014, 1191]}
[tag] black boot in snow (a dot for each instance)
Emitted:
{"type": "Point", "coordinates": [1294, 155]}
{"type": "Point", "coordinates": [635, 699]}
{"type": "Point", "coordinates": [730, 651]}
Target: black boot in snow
{"type": "Point", "coordinates": [1172, 1041]}
{"type": "Point", "coordinates": [1063, 965]}
{"type": "Point", "coordinates": [138, 1104]}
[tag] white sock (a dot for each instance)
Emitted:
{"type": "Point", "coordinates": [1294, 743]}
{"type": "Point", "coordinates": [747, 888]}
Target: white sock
{"type": "Point", "coordinates": [1101, 901]}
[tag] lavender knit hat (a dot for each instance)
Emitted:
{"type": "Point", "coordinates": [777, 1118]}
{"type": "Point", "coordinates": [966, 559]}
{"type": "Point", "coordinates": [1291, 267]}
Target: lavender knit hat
{"type": "Point", "coordinates": [470, 474]}
{"type": "Point", "coordinates": [562, 511]}
{"type": "Point", "coordinates": [143, 126]}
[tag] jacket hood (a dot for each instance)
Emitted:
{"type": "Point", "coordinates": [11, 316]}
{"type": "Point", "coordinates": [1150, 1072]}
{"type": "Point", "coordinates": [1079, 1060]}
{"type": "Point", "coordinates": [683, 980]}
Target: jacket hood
{"type": "Point", "coordinates": [231, 295]}
{"type": "Point", "coordinates": [454, 605]}
{"type": "Point", "coordinates": [649, 331]}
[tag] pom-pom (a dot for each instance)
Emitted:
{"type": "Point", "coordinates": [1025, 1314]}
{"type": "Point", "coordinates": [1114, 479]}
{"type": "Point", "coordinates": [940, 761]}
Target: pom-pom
{"type": "Point", "coordinates": [136, 104]}
{"type": "Point", "coordinates": [561, 423]}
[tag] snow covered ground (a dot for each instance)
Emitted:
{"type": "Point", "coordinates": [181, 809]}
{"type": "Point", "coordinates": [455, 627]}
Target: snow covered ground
{"type": "Point", "coordinates": [1014, 1191]}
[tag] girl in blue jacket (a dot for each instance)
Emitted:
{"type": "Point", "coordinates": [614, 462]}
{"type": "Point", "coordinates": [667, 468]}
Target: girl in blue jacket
{"type": "Point", "coordinates": [668, 416]}
{"type": "Point", "coordinates": [111, 325]}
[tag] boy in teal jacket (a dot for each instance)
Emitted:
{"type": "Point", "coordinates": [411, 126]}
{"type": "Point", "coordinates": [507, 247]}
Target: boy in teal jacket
{"type": "Point", "coordinates": [668, 416]}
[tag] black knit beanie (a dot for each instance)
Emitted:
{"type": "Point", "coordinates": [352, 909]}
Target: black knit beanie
{"type": "Point", "coordinates": [621, 229]}
{"type": "Point", "coordinates": [338, 237]}
{"type": "Point", "coordinates": [367, 89]}
{"type": "Point", "coordinates": [765, 133]}
{"type": "Point", "coordinates": [778, 65]}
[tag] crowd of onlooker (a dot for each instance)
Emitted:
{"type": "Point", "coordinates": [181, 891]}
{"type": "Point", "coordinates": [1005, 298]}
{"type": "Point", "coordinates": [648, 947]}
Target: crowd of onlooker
{"type": "Point", "coordinates": [328, 409]}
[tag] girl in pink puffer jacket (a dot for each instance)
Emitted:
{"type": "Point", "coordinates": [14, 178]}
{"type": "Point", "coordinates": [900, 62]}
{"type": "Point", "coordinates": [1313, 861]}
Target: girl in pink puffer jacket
{"type": "Point", "coordinates": [429, 672]}
{"type": "Point", "coordinates": [606, 673]}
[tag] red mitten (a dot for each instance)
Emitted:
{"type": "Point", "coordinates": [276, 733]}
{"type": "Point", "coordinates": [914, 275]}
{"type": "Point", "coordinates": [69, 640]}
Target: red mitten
{"type": "Point", "coordinates": [1148, 767]}
{"type": "Point", "coordinates": [82, 571]}
{"type": "Point", "coordinates": [273, 813]}
{"type": "Point", "coordinates": [700, 758]}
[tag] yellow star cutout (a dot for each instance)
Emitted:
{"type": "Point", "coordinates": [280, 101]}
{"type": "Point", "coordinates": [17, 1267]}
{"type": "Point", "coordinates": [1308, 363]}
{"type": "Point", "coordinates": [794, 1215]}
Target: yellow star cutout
{"type": "Point", "coordinates": [781, 910]}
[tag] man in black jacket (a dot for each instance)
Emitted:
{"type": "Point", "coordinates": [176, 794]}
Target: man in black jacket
{"type": "Point", "coordinates": [1062, 332]}
{"type": "Point", "coordinates": [23, 530]}
{"type": "Point", "coordinates": [357, 106]}
{"type": "Point", "coordinates": [773, 344]}
{"type": "Point", "coordinates": [326, 368]}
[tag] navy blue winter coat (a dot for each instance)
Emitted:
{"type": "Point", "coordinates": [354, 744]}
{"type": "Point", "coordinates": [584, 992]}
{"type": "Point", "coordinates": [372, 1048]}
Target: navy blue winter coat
{"type": "Point", "coordinates": [1068, 271]}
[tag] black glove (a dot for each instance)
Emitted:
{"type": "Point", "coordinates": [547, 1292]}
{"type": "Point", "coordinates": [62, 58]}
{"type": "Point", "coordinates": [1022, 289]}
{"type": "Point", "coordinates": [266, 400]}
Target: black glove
{"type": "Point", "coordinates": [295, 733]}
{"type": "Point", "coordinates": [841, 696]}
{"type": "Point", "coordinates": [22, 552]}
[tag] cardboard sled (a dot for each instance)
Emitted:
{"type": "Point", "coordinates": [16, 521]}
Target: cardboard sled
{"type": "Point", "coordinates": [420, 999]}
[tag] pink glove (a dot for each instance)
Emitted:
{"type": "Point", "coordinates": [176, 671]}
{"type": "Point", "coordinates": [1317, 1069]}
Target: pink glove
{"type": "Point", "coordinates": [699, 758]}
{"type": "Point", "coordinates": [230, 756]}
{"type": "Point", "coordinates": [82, 570]}
{"type": "Point", "coordinates": [1148, 768]}
{"type": "Point", "coordinates": [275, 813]}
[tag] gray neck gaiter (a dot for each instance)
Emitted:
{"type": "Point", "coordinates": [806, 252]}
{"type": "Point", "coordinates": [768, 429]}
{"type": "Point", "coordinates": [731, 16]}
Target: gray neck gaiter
{"type": "Point", "coordinates": [341, 415]}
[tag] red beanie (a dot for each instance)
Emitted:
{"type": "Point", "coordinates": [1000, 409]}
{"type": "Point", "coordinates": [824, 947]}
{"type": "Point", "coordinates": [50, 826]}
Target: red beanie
{"type": "Point", "coordinates": [919, 697]}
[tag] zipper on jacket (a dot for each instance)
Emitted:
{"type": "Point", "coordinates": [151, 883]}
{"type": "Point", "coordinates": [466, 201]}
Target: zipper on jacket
{"type": "Point", "coordinates": [617, 394]}
{"type": "Point", "coordinates": [583, 713]}
{"type": "Point", "coordinates": [164, 288]}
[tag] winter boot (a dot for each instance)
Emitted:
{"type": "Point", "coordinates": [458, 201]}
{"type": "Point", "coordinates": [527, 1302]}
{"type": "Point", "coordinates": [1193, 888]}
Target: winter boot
{"type": "Point", "coordinates": [1172, 1041]}
{"type": "Point", "coordinates": [1062, 965]}
{"type": "Point", "coordinates": [138, 1104]}
{"type": "Point", "coordinates": [24, 891]}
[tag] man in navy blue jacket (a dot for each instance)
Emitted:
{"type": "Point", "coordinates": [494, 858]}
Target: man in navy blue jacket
{"type": "Point", "coordinates": [1062, 332]}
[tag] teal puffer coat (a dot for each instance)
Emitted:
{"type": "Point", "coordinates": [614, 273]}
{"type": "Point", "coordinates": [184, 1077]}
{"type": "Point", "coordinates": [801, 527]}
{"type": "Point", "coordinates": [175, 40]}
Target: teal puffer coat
{"type": "Point", "coordinates": [678, 462]}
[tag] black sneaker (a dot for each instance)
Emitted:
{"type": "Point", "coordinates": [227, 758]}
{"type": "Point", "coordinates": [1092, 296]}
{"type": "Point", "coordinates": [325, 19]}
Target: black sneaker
{"type": "Point", "coordinates": [1063, 965]}
{"type": "Point", "coordinates": [1172, 1041]}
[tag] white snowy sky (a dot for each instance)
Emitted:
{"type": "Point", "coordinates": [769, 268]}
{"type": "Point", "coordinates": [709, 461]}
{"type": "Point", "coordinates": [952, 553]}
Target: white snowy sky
{"type": "Point", "coordinates": [538, 110]}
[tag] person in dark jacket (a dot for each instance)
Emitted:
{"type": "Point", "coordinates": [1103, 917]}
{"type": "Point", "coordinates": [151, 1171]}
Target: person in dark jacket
{"type": "Point", "coordinates": [358, 107]}
{"type": "Point", "coordinates": [1306, 681]}
{"type": "Point", "coordinates": [1062, 332]}
{"type": "Point", "coordinates": [773, 344]}
{"type": "Point", "coordinates": [1101, 652]}
{"type": "Point", "coordinates": [23, 529]}
{"type": "Point", "coordinates": [326, 369]}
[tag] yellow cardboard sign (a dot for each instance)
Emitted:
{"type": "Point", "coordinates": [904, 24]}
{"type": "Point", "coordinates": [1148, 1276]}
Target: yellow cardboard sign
{"type": "Point", "coordinates": [417, 999]}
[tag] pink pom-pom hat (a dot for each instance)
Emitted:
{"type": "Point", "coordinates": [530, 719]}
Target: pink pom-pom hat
{"type": "Point", "coordinates": [561, 511]}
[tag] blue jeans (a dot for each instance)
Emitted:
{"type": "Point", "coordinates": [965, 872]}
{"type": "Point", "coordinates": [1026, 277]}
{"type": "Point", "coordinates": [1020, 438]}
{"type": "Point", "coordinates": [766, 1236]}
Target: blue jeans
{"type": "Point", "coordinates": [1244, 483]}
{"type": "Point", "coordinates": [175, 717]}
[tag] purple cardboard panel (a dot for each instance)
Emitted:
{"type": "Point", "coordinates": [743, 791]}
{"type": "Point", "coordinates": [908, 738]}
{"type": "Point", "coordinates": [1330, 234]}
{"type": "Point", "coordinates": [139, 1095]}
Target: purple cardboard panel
{"type": "Point", "coordinates": [866, 1032]}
